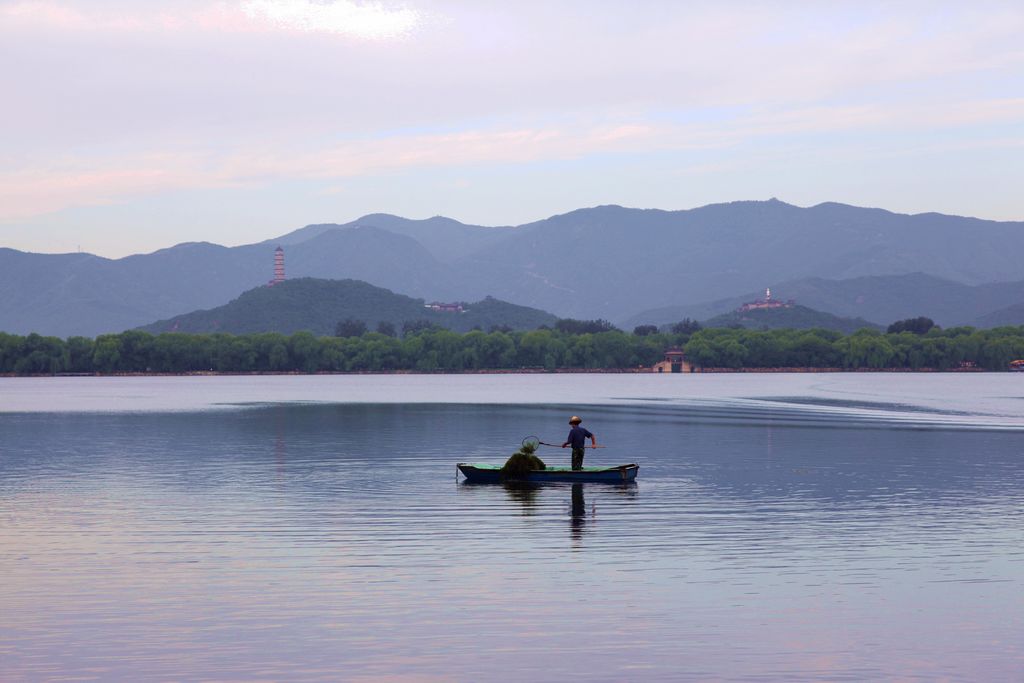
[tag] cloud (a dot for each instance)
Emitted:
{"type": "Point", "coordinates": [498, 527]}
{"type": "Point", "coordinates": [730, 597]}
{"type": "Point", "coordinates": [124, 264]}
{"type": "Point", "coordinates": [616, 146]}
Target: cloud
{"type": "Point", "coordinates": [364, 20]}
{"type": "Point", "coordinates": [178, 94]}
{"type": "Point", "coordinates": [60, 16]}
{"type": "Point", "coordinates": [33, 192]}
{"type": "Point", "coordinates": [369, 20]}
{"type": "Point", "coordinates": [84, 182]}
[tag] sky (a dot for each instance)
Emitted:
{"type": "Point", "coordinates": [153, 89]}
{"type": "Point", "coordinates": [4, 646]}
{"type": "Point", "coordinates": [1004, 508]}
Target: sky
{"type": "Point", "coordinates": [130, 126]}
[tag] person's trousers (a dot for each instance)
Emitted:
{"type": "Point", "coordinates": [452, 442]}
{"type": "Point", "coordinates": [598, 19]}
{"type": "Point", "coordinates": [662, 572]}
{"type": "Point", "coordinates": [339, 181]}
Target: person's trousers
{"type": "Point", "coordinates": [577, 458]}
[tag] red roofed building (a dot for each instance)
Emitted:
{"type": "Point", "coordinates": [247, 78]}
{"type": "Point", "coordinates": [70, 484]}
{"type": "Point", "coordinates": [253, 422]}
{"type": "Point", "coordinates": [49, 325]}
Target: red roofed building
{"type": "Point", "coordinates": [445, 308]}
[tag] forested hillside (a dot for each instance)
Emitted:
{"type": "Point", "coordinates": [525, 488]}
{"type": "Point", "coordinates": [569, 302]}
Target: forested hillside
{"type": "Point", "coordinates": [318, 306]}
{"type": "Point", "coordinates": [793, 317]}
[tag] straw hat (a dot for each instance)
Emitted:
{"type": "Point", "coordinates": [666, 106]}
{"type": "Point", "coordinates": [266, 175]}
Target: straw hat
{"type": "Point", "coordinates": [575, 420]}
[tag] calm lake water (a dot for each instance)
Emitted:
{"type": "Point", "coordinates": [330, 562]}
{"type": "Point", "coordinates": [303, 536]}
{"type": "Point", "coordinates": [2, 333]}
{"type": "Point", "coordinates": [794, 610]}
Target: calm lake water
{"type": "Point", "coordinates": [783, 527]}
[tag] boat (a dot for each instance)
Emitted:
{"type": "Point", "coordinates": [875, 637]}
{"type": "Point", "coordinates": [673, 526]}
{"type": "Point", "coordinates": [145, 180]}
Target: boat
{"type": "Point", "coordinates": [488, 473]}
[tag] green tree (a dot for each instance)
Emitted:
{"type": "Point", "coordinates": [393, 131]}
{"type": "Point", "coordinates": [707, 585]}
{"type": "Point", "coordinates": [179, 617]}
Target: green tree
{"type": "Point", "coordinates": [173, 352]}
{"type": "Point", "coordinates": [701, 352]}
{"type": "Point", "coordinates": [613, 350]}
{"type": "Point", "coordinates": [350, 328]}
{"type": "Point", "coordinates": [410, 327]}
{"type": "Point", "coordinates": [733, 354]}
{"type": "Point", "coordinates": [334, 353]}
{"type": "Point", "coordinates": [573, 326]}
{"type": "Point", "coordinates": [234, 354]}
{"type": "Point", "coordinates": [999, 348]}
{"type": "Point", "coordinates": [80, 351]}
{"type": "Point", "coordinates": [41, 355]}
{"type": "Point", "coordinates": [107, 356]}
{"type": "Point", "coordinates": [868, 349]}
{"type": "Point", "coordinates": [444, 346]}
{"type": "Point", "coordinates": [304, 352]}
{"type": "Point", "coordinates": [378, 352]}
{"type": "Point", "coordinates": [535, 347]}
{"type": "Point", "coordinates": [685, 327]}
{"type": "Point", "coordinates": [10, 351]}
{"type": "Point", "coordinates": [136, 349]}
{"type": "Point", "coordinates": [498, 351]}
{"type": "Point", "coordinates": [919, 325]}
{"type": "Point", "coordinates": [815, 349]}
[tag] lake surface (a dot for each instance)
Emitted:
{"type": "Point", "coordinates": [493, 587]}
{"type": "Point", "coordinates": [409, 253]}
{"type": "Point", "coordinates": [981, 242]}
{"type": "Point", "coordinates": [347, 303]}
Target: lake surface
{"type": "Point", "coordinates": [783, 527]}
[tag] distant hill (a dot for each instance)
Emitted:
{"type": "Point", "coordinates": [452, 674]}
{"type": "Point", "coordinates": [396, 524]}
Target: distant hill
{"type": "Point", "coordinates": [601, 262]}
{"type": "Point", "coordinates": [795, 317]}
{"type": "Point", "coordinates": [883, 299]}
{"type": "Point", "coordinates": [1011, 315]}
{"type": "Point", "coordinates": [318, 305]}
{"type": "Point", "coordinates": [83, 294]}
{"type": "Point", "coordinates": [447, 240]}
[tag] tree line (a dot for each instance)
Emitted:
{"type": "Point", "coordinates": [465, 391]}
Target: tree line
{"type": "Point", "coordinates": [936, 349]}
{"type": "Point", "coordinates": [425, 350]}
{"type": "Point", "coordinates": [574, 344]}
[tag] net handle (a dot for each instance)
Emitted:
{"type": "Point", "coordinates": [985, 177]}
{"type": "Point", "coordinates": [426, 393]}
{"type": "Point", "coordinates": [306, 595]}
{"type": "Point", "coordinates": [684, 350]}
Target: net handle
{"type": "Point", "coordinates": [537, 442]}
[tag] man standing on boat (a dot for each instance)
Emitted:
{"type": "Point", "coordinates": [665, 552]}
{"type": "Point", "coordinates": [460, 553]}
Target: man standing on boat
{"type": "Point", "coordinates": [578, 440]}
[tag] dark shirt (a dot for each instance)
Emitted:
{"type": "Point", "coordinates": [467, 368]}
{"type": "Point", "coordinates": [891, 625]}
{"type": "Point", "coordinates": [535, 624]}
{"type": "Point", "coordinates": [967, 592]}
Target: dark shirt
{"type": "Point", "coordinates": [578, 437]}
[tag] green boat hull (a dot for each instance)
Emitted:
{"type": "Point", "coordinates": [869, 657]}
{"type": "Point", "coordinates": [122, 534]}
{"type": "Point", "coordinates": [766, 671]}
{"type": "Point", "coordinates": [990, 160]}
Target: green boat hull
{"type": "Point", "coordinates": [487, 473]}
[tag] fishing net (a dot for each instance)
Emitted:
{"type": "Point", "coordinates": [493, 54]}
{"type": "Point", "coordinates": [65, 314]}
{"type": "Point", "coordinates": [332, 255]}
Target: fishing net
{"type": "Point", "coordinates": [522, 462]}
{"type": "Point", "coordinates": [532, 442]}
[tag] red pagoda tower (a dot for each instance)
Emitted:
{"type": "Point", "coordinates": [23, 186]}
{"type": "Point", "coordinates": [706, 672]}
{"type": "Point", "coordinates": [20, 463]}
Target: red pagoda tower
{"type": "Point", "coordinates": [278, 267]}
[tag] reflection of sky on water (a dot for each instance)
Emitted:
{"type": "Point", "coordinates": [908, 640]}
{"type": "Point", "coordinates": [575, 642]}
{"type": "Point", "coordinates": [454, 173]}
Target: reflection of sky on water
{"type": "Point", "coordinates": [323, 541]}
{"type": "Point", "coordinates": [947, 400]}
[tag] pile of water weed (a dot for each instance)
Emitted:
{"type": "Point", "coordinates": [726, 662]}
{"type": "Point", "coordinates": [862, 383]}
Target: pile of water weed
{"type": "Point", "coordinates": [522, 462]}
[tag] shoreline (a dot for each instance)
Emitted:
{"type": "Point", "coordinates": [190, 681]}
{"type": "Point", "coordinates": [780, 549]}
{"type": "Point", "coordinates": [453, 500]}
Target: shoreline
{"type": "Point", "coordinates": [515, 371]}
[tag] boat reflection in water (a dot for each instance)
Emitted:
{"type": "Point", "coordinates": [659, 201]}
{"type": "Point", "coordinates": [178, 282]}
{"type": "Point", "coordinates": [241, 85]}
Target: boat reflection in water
{"type": "Point", "coordinates": [522, 492]}
{"type": "Point", "coordinates": [578, 511]}
{"type": "Point", "coordinates": [526, 494]}
{"type": "Point", "coordinates": [538, 500]}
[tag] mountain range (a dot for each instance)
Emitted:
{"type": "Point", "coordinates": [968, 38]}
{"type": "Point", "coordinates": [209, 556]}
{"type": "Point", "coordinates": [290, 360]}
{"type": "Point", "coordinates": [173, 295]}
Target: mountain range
{"type": "Point", "coordinates": [622, 264]}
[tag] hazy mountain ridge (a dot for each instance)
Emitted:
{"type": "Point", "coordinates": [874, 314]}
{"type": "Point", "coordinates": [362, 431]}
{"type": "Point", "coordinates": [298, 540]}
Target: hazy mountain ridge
{"type": "Point", "coordinates": [1009, 315]}
{"type": "Point", "coordinates": [383, 258]}
{"type": "Point", "coordinates": [602, 262]}
{"type": "Point", "coordinates": [68, 294]}
{"type": "Point", "coordinates": [446, 239]}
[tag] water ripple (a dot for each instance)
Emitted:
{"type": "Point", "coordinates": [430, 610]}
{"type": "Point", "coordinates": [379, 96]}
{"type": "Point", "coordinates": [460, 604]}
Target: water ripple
{"type": "Point", "coordinates": [327, 542]}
